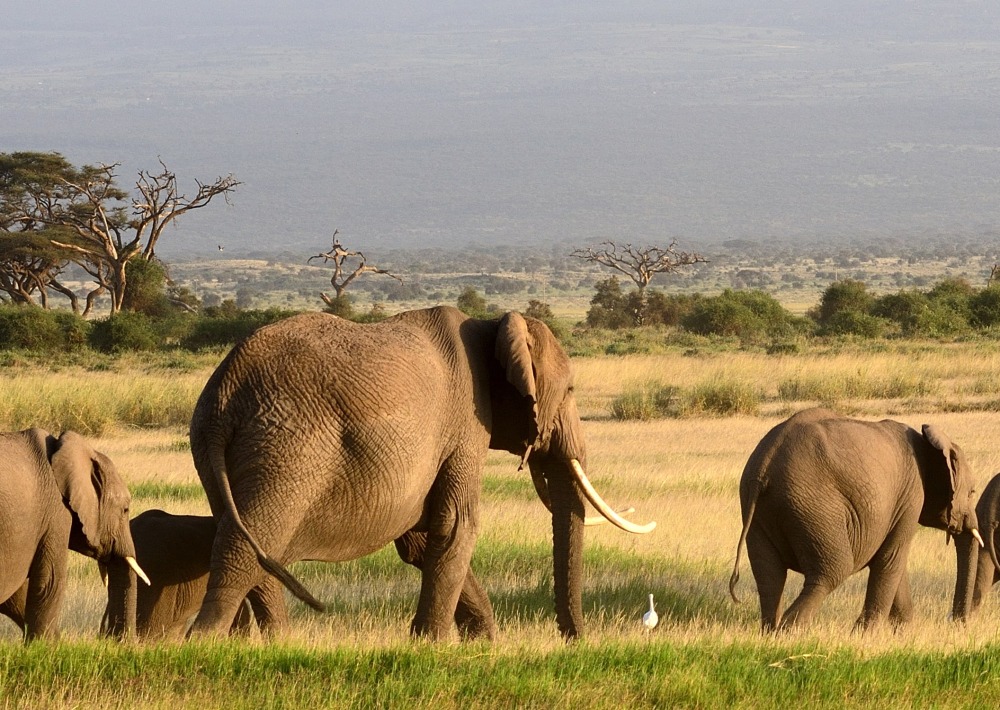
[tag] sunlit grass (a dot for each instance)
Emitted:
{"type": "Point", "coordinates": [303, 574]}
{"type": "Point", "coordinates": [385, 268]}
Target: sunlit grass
{"type": "Point", "coordinates": [681, 472]}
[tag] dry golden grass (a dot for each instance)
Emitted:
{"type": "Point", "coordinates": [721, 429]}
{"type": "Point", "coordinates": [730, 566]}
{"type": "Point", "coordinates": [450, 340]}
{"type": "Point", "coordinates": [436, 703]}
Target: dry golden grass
{"type": "Point", "coordinates": [941, 376]}
{"type": "Point", "coordinates": [682, 473]}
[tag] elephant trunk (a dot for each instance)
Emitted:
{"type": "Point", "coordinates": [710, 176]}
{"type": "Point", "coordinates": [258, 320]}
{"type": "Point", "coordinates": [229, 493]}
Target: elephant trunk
{"type": "Point", "coordinates": [120, 613]}
{"type": "Point", "coordinates": [967, 555]}
{"type": "Point", "coordinates": [567, 553]}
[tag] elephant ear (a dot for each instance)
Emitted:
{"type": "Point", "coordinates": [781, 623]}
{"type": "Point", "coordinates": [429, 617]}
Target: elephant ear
{"type": "Point", "coordinates": [940, 441]}
{"type": "Point", "coordinates": [513, 350]}
{"type": "Point", "coordinates": [77, 470]}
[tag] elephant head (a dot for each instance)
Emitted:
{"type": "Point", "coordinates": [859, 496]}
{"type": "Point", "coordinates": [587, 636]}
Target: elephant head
{"type": "Point", "coordinates": [535, 416]}
{"type": "Point", "coordinates": [949, 502]}
{"type": "Point", "coordinates": [99, 501]}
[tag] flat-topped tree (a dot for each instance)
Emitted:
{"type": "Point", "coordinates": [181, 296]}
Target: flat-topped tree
{"type": "Point", "coordinates": [639, 264]}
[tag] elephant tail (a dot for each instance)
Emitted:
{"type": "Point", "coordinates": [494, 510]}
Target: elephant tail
{"type": "Point", "coordinates": [270, 565]}
{"type": "Point", "coordinates": [747, 518]}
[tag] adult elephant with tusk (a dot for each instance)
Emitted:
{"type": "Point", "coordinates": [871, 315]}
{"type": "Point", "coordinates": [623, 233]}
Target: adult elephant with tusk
{"type": "Point", "coordinates": [978, 567]}
{"type": "Point", "coordinates": [56, 495]}
{"type": "Point", "coordinates": [318, 438]}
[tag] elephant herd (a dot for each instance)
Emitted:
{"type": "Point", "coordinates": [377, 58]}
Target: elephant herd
{"type": "Point", "coordinates": [320, 439]}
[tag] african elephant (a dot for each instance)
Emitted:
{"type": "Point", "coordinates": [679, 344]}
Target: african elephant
{"type": "Point", "coordinates": [56, 495]}
{"type": "Point", "coordinates": [319, 438]}
{"type": "Point", "coordinates": [176, 551]}
{"type": "Point", "coordinates": [825, 496]}
{"type": "Point", "coordinates": [978, 568]}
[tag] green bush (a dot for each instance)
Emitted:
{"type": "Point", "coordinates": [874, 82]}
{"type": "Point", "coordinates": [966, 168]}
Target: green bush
{"type": "Point", "coordinates": [752, 316]}
{"type": "Point", "coordinates": [609, 308]}
{"type": "Point", "coordinates": [984, 307]}
{"type": "Point", "coordinates": [41, 330]}
{"type": "Point", "coordinates": [123, 332]}
{"type": "Point", "coordinates": [227, 328]}
{"type": "Point", "coordinates": [840, 298]}
{"type": "Point", "coordinates": [863, 325]}
{"type": "Point", "coordinates": [471, 303]}
{"type": "Point", "coordinates": [655, 400]}
{"type": "Point", "coordinates": [917, 315]}
{"type": "Point", "coordinates": [723, 398]}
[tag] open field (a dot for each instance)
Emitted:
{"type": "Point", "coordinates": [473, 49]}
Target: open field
{"type": "Point", "coordinates": [683, 473]}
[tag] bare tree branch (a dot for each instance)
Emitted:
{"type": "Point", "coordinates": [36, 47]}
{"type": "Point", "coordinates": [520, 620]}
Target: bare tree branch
{"type": "Point", "coordinates": [640, 264]}
{"type": "Point", "coordinates": [338, 255]}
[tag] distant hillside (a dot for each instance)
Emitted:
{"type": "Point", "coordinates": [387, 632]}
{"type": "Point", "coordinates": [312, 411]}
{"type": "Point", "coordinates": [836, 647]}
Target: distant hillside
{"type": "Point", "coordinates": [443, 124]}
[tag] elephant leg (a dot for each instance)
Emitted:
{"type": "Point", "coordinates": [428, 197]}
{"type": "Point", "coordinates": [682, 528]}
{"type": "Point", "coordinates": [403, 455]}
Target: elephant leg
{"type": "Point", "coordinates": [14, 607]}
{"type": "Point", "coordinates": [986, 576]}
{"type": "Point", "coordinates": [886, 581]}
{"type": "Point", "coordinates": [234, 572]}
{"type": "Point", "coordinates": [46, 588]}
{"type": "Point", "coordinates": [770, 575]}
{"type": "Point", "coordinates": [805, 606]}
{"type": "Point", "coordinates": [451, 537]}
{"type": "Point", "coordinates": [267, 600]}
{"type": "Point", "coordinates": [474, 612]}
{"type": "Point", "coordinates": [901, 611]}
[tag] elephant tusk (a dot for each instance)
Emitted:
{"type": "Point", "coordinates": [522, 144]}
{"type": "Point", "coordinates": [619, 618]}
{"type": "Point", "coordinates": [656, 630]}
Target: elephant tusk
{"type": "Point", "coordinates": [979, 538]}
{"type": "Point", "coordinates": [601, 520]}
{"type": "Point", "coordinates": [138, 570]}
{"type": "Point", "coordinates": [104, 574]}
{"type": "Point", "coordinates": [541, 488]}
{"type": "Point", "coordinates": [602, 507]}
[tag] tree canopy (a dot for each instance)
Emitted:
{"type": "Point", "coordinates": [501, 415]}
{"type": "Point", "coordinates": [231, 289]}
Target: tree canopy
{"type": "Point", "coordinates": [53, 213]}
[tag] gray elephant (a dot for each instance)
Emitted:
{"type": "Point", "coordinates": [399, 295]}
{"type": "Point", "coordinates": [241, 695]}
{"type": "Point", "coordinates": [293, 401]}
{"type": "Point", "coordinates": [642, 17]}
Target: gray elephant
{"type": "Point", "coordinates": [56, 495]}
{"type": "Point", "coordinates": [978, 568]}
{"type": "Point", "coordinates": [176, 550]}
{"type": "Point", "coordinates": [318, 438]}
{"type": "Point", "coordinates": [826, 496]}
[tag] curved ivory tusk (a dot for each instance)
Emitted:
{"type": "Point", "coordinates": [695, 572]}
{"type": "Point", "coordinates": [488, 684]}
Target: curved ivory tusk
{"type": "Point", "coordinates": [601, 520]}
{"type": "Point", "coordinates": [541, 488]}
{"type": "Point", "coordinates": [138, 570]}
{"type": "Point", "coordinates": [602, 507]}
{"type": "Point", "coordinates": [104, 574]}
{"type": "Point", "coordinates": [979, 538]}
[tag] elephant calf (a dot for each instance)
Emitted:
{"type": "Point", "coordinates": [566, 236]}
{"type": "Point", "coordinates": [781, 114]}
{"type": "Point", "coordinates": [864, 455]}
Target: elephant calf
{"type": "Point", "coordinates": [826, 496]}
{"type": "Point", "coordinates": [176, 552]}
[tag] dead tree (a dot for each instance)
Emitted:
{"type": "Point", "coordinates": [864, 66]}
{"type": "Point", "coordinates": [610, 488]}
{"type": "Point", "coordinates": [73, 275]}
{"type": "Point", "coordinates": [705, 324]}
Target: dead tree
{"type": "Point", "coordinates": [639, 264]}
{"type": "Point", "coordinates": [343, 274]}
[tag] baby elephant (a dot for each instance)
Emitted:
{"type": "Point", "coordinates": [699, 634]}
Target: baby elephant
{"type": "Point", "coordinates": [175, 551]}
{"type": "Point", "coordinates": [826, 496]}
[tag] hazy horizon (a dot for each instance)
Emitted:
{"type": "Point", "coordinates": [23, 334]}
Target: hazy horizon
{"type": "Point", "coordinates": [451, 125]}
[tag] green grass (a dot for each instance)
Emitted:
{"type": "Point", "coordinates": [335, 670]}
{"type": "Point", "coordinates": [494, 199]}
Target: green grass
{"type": "Point", "coordinates": [710, 398]}
{"type": "Point", "coordinates": [146, 491]}
{"type": "Point", "coordinates": [653, 672]}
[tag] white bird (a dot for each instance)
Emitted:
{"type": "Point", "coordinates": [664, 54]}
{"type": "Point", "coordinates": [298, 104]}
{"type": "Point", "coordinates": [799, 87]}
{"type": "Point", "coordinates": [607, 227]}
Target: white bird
{"type": "Point", "coordinates": [650, 619]}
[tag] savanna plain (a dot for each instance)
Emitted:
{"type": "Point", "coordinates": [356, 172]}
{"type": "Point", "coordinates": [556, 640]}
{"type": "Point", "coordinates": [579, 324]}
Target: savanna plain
{"type": "Point", "coordinates": [681, 471]}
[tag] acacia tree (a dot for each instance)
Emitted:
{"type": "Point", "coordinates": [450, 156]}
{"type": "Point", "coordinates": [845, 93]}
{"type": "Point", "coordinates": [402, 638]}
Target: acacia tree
{"type": "Point", "coordinates": [100, 227]}
{"type": "Point", "coordinates": [347, 266]}
{"type": "Point", "coordinates": [639, 264]}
